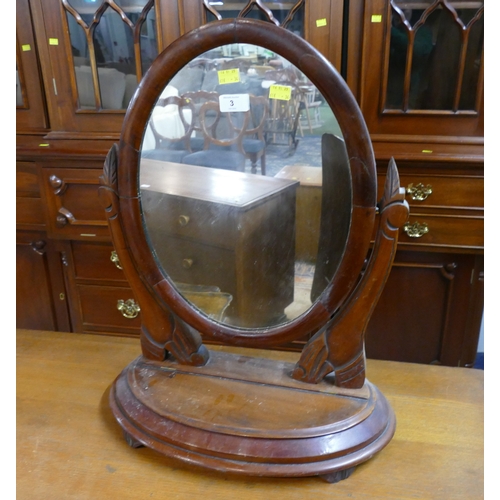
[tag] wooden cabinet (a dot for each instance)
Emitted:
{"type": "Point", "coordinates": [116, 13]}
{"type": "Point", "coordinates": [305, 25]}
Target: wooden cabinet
{"type": "Point", "coordinates": [97, 287]}
{"type": "Point", "coordinates": [41, 296]}
{"type": "Point", "coordinates": [422, 107]}
{"type": "Point", "coordinates": [436, 316]}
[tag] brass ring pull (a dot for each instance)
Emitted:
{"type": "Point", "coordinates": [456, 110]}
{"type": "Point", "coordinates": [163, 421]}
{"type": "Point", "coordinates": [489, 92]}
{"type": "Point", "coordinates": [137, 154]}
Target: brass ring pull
{"type": "Point", "coordinates": [419, 192]}
{"type": "Point", "coordinates": [187, 263]}
{"type": "Point", "coordinates": [128, 308]}
{"type": "Point", "coordinates": [115, 259]}
{"type": "Point", "coordinates": [183, 220]}
{"type": "Point", "coordinates": [416, 230]}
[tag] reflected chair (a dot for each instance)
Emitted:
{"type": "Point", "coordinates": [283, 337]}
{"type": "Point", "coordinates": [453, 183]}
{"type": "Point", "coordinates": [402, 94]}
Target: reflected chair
{"type": "Point", "coordinates": [197, 99]}
{"type": "Point", "coordinates": [254, 142]}
{"type": "Point", "coordinates": [172, 126]}
{"type": "Point", "coordinates": [284, 115]}
{"type": "Point", "coordinates": [312, 107]}
{"type": "Point", "coordinates": [223, 135]}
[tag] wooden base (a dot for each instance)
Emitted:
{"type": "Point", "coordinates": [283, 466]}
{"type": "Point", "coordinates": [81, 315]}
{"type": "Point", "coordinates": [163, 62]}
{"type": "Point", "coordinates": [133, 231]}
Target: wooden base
{"type": "Point", "coordinates": [247, 415]}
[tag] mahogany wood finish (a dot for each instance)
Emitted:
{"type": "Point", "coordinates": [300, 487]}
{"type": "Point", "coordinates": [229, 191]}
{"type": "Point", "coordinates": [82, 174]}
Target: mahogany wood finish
{"type": "Point", "coordinates": [158, 399]}
{"type": "Point", "coordinates": [451, 160]}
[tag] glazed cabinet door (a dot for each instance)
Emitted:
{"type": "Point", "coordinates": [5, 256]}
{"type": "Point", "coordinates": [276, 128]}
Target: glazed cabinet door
{"type": "Point", "coordinates": [31, 116]}
{"type": "Point", "coordinates": [422, 65]}
{"type": "Point", "coordinates": [95, 54]}
{"type": "Point", "coordinates": [320, 23]}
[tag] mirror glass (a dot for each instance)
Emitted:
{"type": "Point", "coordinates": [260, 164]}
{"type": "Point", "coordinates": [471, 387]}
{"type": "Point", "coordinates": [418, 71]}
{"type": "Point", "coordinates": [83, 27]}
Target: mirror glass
{"type": "Point", "coordinates": [231, 186]}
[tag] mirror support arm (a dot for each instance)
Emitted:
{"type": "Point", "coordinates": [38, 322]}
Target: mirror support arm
{"type": "Point", "coordinates": [339, 346]}
{"type": "Point", "coordinates": [161, 331]}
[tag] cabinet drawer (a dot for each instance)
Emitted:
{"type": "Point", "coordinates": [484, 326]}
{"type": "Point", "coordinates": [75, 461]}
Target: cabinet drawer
{"type": "Point", "coordinates": [29, 208]}
{"type": "Point", "coordinates": [444, 231]}
{"type": "Point", "coordinates": [93, 261]}
{"type": "Point", "coordinates": [100, 313]}
{"type": "Point", "coordinates": [194, 263]}
{"type": "Point", "coordinates": [464, 192]}
{"type": "Point", "coordinates": [27, 179]}
{"type": "Point", "coordinates": [29, 212]}
{"type": "Point", "coordinates": [74, 208]}
{"type": "Point", "coordinates": [211, 223]}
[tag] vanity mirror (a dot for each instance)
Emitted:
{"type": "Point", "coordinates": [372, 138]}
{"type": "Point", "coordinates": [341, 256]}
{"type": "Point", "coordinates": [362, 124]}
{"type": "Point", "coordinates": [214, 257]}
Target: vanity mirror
{"type": "Point", "coordinates": [204, 204]}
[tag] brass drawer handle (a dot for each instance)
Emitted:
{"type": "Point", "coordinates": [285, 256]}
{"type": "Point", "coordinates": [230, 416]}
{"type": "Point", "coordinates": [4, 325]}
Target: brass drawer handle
{"type": "Point", "coordinates": [115, 259]}
{"type": "Point", "coordinates": [416, 230]}
{"type": "Point", "coordinates": [128, 308]}
{"type": "Point", "coordinates": [419, 192]}
{"type": "Point", "coordinates": [183, 220]}
{"type": "Point", "coordinates": [187, 263]}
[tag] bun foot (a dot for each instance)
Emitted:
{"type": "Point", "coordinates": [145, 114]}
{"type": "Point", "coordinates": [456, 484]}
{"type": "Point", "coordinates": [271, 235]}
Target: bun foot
{"type": "Point", "coordinates": [131, 441]}
{"type": "Point", "coordinates": [337, 476]}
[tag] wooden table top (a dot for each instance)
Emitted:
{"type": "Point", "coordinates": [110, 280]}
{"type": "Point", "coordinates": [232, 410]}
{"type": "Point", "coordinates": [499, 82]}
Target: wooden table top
{"type": "Point", "coordinates": [70, 447]}
{"type": "Point", "coordinates": [215, 185]}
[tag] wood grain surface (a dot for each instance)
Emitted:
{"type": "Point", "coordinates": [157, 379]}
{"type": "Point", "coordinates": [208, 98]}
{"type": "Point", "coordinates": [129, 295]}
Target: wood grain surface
{"type": "Point", "coordinates": [70, 447]}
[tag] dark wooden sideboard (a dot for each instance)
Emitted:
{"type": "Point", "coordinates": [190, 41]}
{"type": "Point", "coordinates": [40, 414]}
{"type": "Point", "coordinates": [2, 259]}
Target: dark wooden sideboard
{"type": "Point", "coordinates": [431, 308]}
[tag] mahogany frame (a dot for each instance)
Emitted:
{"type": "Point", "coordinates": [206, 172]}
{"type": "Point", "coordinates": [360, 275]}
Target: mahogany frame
{"type": "Point", "coordinates": [362, 164]}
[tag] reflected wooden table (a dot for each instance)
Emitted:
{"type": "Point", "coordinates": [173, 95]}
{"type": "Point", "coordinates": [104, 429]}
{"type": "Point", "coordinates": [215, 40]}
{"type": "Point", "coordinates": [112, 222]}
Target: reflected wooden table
{"type": "Point", "coordinates": [69, 445]}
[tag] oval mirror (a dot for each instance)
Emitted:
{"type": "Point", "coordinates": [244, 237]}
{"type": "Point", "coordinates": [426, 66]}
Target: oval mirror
{"type": "Point", "coordinates": [255, 179]}
{"type": "Point", "coordinates": [231, 185]}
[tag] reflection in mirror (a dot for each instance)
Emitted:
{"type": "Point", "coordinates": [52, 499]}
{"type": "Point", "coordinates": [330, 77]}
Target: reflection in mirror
{"type": "Point", "coordinates": [233, 188]}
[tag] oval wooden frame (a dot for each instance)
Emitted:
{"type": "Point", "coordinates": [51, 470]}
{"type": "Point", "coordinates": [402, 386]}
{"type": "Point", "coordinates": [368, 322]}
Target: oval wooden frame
{"type": "Point", "coordinates": [360, 153]}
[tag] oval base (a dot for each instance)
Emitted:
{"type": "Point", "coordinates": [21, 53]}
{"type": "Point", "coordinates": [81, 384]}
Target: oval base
{"type": "Point", "coordinates": [248, 416]}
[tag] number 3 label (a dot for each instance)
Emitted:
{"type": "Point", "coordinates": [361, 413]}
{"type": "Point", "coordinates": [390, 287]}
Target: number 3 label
{"type": "Point", "coordinates": [234, 102]}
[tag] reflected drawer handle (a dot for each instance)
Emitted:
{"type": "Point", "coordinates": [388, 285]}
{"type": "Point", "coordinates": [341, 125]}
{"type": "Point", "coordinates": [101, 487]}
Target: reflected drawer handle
{"type": "Point", "coordinates": [187, 263]}
{"type": "Point", "coordinates": [183, 220]}
{"type": "Point", "coordinates": [115, 259]}
{"type": "Point", "coordinates": [416, 230]}
{"type": "Point", "coordinates": [419, 192]}
{"type": "Point", "coordinates": [128, 308]}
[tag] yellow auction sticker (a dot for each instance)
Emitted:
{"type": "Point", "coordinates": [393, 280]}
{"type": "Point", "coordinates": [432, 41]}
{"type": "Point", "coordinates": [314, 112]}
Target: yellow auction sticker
{"type": "Point", "coordinates": [281, 92]}
{"type": "Point", "coordinates": [320, 22]}
{"type": "Point", "coordinates": [228, 76]}
{"type": "Point", "coordinates": [26, 47]}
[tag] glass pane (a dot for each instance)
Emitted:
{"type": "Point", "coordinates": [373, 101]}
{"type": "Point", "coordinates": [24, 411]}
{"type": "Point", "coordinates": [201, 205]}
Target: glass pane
{"type": "Point", "coordinates": [149, 46]}
{"type": "Point", "coordinates": [434, 71]}
{"type": "Point", "coordinates": [428, 37]}
{"type": "Point", "coordinates": [112, 44]}
{"type": "Point", "coordinates": [19, 90]}
{"type": "Point", "coordinates": [232, 175]}
{"type": "Point", "coordinates": [472, 65]}
{"type": "Point", "coordinates": [280, 10]}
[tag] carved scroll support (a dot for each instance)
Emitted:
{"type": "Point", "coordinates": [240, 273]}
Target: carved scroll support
{"type": "Point", "coordinates": [161, 331]}
{"type": "Point", "coordinates": [339, 346]}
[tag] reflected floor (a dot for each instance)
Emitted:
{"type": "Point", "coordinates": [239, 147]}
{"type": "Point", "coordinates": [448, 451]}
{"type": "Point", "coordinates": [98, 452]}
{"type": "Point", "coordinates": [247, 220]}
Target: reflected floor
{"type": "Point", "coordinates": [304, 274]}
{"type": "Point", "coordinates": [308, 152]}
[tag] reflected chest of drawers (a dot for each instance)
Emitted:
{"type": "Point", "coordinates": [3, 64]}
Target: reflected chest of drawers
{"type": "Point", "coordinates": [223, 229]}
